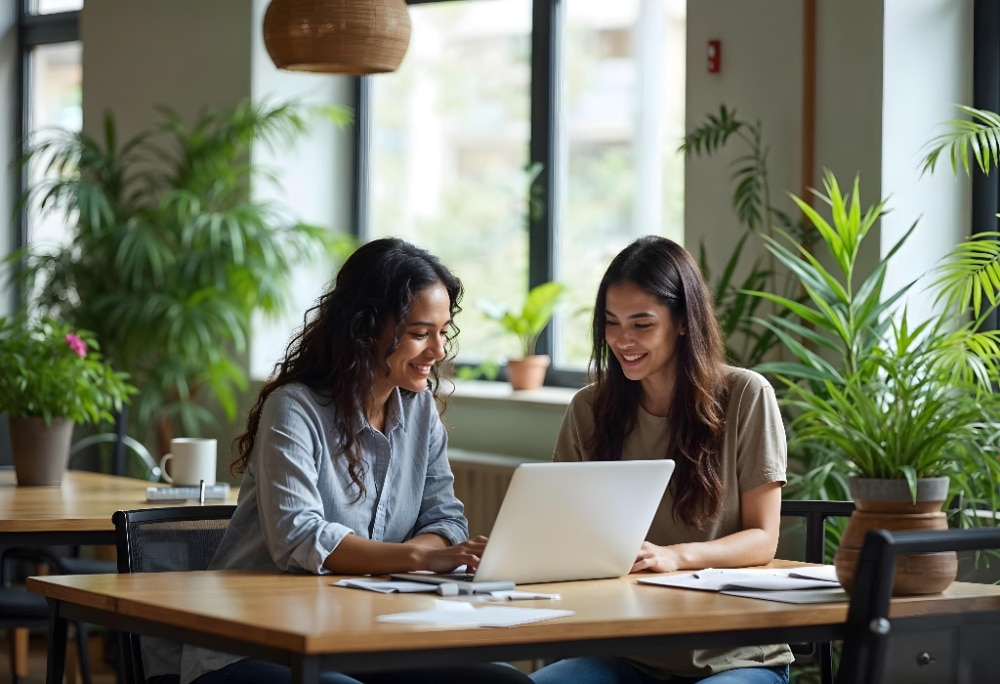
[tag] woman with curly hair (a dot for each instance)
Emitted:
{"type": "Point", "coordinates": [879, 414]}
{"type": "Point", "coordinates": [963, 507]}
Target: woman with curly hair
{"type": "Point", "coordinates": [344, 458]}
{"type": "Point", "coordinates": [662, 389]}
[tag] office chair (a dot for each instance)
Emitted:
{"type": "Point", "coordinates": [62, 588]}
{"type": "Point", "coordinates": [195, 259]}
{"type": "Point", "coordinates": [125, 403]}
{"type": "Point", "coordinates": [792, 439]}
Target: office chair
{"type": "Point", "coordinates": [160, 540]}
{"type": "Point", "coordinates": [869, 627]}
{"type": "Point", "coordinates": [815, 514]}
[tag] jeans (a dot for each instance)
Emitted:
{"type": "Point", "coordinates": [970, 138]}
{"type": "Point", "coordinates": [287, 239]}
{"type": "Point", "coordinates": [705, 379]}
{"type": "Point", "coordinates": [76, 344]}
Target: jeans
{"type": "Point", "coordinates": [250, 671]}
{"type": "Point", "coordinates": [618, 671]}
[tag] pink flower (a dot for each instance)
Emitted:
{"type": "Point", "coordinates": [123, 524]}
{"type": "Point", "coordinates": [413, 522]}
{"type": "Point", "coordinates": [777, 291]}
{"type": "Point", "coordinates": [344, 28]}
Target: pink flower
{"type": "Point", "coordinates": [76, 344]}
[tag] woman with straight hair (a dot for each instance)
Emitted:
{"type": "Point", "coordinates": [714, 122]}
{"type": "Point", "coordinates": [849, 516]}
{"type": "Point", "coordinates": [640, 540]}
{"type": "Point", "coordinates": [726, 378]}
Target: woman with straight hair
{"type": "Point", "coordinates": [343, 461]}
{"type": "Point", "coordinates": [662, 389]}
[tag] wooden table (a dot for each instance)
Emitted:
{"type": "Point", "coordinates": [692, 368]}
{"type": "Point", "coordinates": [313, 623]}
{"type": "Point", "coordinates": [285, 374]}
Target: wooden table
{"type": "Point", "coordinates": [78, 511]}
{"type": "Point", "coordinates": [312, 626]}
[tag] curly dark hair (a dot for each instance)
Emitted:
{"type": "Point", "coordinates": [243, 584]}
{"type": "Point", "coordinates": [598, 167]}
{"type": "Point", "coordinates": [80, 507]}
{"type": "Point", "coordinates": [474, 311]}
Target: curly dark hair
{"type": "Point", "coordinates": [698, 407]}
{"type": "Point", "coordinates": [334, 353]}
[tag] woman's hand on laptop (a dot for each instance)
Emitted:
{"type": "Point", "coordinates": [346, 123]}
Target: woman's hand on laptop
{"type": "Point", "coordinates": [446, 559]}
{"type": "Point", "coordinates": [653, 558]}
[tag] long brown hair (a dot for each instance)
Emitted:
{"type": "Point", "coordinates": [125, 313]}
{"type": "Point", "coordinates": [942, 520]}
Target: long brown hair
{"type": "Point", "coordinates": [334, 353]}
{"type": "Point", "coordinates": [698, 407]}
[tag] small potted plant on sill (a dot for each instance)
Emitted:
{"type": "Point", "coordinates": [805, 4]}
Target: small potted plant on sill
{"type": "Point", "coordinates": [52, 377]}
{"type": "Point", "coordinates": [906, 410]}
{"type": "Point", "coordinates": [528, 370]}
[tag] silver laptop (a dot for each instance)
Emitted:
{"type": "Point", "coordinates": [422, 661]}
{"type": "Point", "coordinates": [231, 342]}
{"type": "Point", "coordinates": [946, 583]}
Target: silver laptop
{"type": "Point", "coordinates": [567, 521]}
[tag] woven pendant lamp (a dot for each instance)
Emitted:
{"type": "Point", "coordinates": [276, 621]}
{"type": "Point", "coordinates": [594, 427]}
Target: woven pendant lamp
{"type": "Point", "coordinates": [355, 37]}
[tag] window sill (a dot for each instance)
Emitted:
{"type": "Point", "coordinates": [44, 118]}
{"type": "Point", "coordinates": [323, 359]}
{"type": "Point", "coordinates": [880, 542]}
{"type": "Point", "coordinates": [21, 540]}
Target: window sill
{"type": "Point", "coordinates": [484, 392]}
{"type": "Point", "coordinates": [491, 418]}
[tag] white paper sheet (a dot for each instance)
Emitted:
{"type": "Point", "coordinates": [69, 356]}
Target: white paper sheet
{"type": "Point", "coordinates": [747, 579]}
{"type": "Point", "coordinates": [485, 616]}
{"type": "Point", "coordinates": [384, 586]}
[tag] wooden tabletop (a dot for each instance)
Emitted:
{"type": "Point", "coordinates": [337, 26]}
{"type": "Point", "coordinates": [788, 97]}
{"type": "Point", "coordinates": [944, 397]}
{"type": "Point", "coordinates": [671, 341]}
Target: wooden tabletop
{"type": "Point", "coordinates": [84, 502]}
{"type": "Point", "coordinates": [306, 615]}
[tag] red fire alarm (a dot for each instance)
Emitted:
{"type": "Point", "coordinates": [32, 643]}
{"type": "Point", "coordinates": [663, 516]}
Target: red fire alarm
{"type": "Point", "coordinates": [714, 56]}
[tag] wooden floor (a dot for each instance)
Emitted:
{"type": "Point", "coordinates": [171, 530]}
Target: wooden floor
{"type": "Point", "coordinates": [101, 673]}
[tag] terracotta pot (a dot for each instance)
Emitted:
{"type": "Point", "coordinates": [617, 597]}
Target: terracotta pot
{"type": "Point", "coordinates": [40, 451]}
{"type": "Point", "coordinates": [529, 372]}
{"type": "Point", "coordinates": [887, 505]}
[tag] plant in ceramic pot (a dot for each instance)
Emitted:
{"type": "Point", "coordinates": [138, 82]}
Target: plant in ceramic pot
{"type": "Point", "coordinates": [52, 377]}
{"type": "Point", "coordinates": [527, 371]}
{"type": "Point", "coordinates": [906, 409]}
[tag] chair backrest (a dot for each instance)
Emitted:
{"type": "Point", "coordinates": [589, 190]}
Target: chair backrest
{"type": "Point", "coordinates": [160, 540]}
{"type": "Point", "coordinates": [869, 628]}
{"type": "Point", "coordinates": [815, 514]}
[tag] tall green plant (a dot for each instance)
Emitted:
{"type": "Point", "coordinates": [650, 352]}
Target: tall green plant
{"type": "Point", "coordinates": [881, 396]}
{"type": "Point", "coordinates": [169, 253]}
{"type": "Point", "coordinates": [747, 341]}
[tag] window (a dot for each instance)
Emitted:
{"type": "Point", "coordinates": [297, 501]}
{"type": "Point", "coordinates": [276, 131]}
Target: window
{"type": "Point", "coordinates": [54, 6]}
{"type": "Point", "coordinates": [53, 100]}
{"type": "Point", "coordinates": [51, 67]}
{"type": "Point", "coordinates": [450, 148]}
{"type": "Point", "coordinates": [461, 129]}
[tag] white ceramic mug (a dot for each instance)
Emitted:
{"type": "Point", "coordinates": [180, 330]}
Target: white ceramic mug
{"type": "Point", "coordinates": [193, 461]}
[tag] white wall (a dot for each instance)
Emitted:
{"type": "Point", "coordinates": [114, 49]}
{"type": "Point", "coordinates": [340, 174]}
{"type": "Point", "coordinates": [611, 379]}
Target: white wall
{"type": "Point", "coordinates": [760, 77]}
{"type": "Point", "coordinates": [928, 65]}
{"type": "Point", "coordinates": [186, 54]}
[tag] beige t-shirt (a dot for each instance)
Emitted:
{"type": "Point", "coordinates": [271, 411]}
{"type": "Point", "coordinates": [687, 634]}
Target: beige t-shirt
{"type": "Point", "coordinates": [753, 454]}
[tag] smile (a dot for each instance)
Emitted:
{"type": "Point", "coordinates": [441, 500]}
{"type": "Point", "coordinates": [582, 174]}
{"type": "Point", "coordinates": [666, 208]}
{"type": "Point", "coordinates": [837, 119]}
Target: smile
{"type": "Point", "coordinates": [632, 357]}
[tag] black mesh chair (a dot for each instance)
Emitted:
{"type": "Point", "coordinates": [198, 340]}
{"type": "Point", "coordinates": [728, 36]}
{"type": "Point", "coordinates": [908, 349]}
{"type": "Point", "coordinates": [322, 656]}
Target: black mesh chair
{"type": "Point", "coordinates": [870, 629]}
{"type": "Point", "coordinates": [161, 540]}
{"type": "Point", "coordinates": [815, 514]}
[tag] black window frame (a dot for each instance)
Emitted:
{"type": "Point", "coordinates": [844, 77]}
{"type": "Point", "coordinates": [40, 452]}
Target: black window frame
{"type": "Point", "coordinates": [33, 30]}
{"type": "Point", "coordinates": [986, 95]}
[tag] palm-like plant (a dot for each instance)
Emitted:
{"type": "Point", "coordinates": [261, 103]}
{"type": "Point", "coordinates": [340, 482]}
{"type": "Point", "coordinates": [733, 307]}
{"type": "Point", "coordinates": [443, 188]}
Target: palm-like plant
{"type": "Point", "coordinates": [882, 397]}
{"type": "Point", "coordinates": [748, 343]}
{"type": "Point", "coordinates": [169, 254]}
{"type": "Point", "coordinates": [527, 323]}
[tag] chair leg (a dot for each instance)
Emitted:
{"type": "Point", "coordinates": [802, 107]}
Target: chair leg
{"type": "Point", "coordinates": [19, 653]}
{"type": "Point", "coordinates": [83, 652]}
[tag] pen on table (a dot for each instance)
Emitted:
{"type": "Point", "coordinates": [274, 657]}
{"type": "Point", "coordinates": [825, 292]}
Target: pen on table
{"type": "Point", "coordinates": [201, 492]}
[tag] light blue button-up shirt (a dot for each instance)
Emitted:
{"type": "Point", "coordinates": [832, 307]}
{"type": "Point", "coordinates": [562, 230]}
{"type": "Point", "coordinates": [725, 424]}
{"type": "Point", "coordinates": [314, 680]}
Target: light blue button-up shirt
{"type": "Point", "coordinates": [297, 501]}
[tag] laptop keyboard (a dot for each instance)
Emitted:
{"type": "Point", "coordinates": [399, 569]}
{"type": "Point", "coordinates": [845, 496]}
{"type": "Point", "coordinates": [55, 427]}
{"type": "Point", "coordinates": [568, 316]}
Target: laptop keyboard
{"type": "Point", "coordinates": [459, 576]}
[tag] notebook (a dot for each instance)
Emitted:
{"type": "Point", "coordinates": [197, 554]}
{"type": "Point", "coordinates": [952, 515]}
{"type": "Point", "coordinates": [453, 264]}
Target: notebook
{"type": "Point", "coordinates": [566, 521]}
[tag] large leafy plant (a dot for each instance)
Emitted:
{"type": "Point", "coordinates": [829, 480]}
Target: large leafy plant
{"type": "Point", "coordinates": [170, 255]}
{"type": "Point", "coordinates": [881, 396]}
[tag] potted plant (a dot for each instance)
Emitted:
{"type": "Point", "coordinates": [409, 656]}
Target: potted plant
{"type": "Point", "coordinates": [170, 256]}
{"type": "Point", "coordinates": [52, 377]}
{"type": "Point", "coordinates": [907, 410]}
{"type": "Point", "coordinates": [527, 371]}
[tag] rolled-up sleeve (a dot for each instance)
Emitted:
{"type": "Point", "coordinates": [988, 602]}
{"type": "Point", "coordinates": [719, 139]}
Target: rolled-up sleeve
{"type": "Point", "coordinates": [287, 457]}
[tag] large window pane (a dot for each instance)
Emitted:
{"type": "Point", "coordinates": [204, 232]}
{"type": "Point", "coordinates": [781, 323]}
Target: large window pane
{"type": "Point", "coordinates": [450, 151]}
{"type": "Point", "coordinates": [622, 119]}
{"type": "Point", "coordinates": [54, 101]}
{"type": "Point", "coordinates": [53, 6]}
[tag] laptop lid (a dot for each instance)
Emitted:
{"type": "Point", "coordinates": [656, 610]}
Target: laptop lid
{"type": "Point", "coordinates": [573, 520]}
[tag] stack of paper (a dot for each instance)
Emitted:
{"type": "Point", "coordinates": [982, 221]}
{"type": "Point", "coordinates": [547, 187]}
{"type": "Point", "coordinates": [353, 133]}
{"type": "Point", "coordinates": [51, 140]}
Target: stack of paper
{"type": "Point", "coordinates": [808, 584]}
